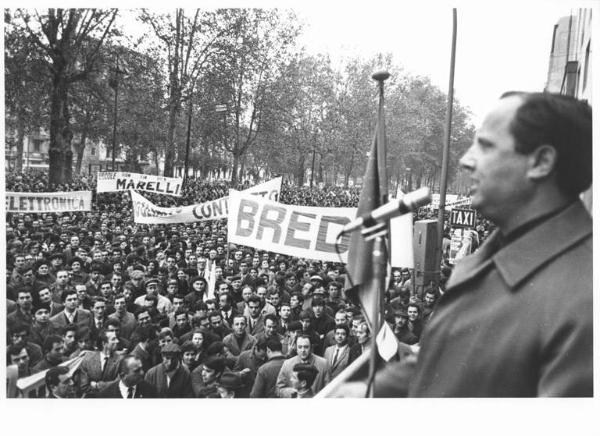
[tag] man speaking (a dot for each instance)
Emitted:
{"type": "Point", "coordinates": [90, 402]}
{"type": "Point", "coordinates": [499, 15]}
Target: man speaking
{"type": "Point", "coordinates": [516, 317]}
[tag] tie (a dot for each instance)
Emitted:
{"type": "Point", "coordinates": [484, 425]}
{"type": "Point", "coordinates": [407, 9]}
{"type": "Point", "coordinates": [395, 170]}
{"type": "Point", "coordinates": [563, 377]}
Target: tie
{"type": "Point", "coordinates": [335, 356]}
{"type": "Point", "coordinates": [130, 392]}
{"type": "Point", "coordinates": [99, 325]}
{"type": "Point", "coordinates": [104, 367]}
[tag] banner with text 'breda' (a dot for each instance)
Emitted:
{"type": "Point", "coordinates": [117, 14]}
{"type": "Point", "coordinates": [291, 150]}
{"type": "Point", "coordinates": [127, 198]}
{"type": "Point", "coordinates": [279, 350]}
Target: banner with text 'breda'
{"type": "Point", "coordinates": [300, 231]}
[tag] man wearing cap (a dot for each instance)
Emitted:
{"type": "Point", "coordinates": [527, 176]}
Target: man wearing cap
{"type": "Point", "coordinates": [199, 288]}
{"type": "Point", "coordinates": [163, 305]}
{"type": "Point", "coordinates": [322, 322]}
{"type": "Point", "coordinates": [59, 383]}
{"type": "Point", "coordinates": [42, 327]}
{"type": "Point", "coordinates": [401, 329]}
{"type": "Point", "coordinates": [131, 383]}
{"type": "Point", "coordinates": [230, 385]}
{"type": "Point", "coordinates": [169, 377]}
{"type": "Point", "coordinates": [284, 387]}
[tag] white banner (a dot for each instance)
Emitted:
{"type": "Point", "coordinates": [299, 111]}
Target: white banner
{"type": "Point", "coordinates": [301, 231]}
{"type": "Point", "coordinates": [401, 237]}
{"type": "Point", "coordinates": [119, 181]}
{"type": "Point", "coordinates": [40, 202]}
{"type": "Point", "coordinates": [145, 212]}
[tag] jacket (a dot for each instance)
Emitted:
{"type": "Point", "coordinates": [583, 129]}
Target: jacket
{"type": "Point", "coordinates": [517, 321]}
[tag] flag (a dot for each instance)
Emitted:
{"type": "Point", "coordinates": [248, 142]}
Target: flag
{"type": "Point", "coordinates": [359, 275]}
{"type": "Point", "coordinates": [212, 279]}
{"type": "Point", "coordinates": [387, 344]}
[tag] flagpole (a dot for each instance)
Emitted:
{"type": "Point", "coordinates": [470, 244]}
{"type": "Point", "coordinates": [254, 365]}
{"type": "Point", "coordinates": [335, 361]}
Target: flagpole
{"type": "Point", "coordinates": [380, 258]}
{"type": "Point", "coordinates": [446, 151]}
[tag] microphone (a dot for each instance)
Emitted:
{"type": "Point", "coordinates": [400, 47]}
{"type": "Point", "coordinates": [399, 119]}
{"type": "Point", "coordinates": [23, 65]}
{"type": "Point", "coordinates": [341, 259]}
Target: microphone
{"type": "Point", "coordinates": [408, 203]}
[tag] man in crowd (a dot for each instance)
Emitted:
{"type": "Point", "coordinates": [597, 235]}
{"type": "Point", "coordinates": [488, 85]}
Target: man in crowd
{"type": "Point", "coordinates": [99, 368]}
{"type": "Point", "coordinates": [304, 354]}
{"type": "Point", "coordinates": [131, 383]}
{"type": "Point", "coordinates": [266, 376]}
{"type": "Point", "coordinates": [59, 383]}
{"type": "Point", "coordinates": [239, 339]}
{"type": "Point", "coordinates": [169, 377]}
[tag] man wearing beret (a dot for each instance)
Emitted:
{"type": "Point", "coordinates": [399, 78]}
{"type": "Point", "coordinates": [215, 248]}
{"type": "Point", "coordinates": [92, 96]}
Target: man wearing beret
{"type": "Point", "coordinates": [163, 305]}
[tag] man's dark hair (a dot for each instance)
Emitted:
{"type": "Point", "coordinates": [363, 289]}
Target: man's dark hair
{"type": "Point", "coordinates": [66, 293]}
{"type": "Point", "coordinates": [52, 375]}
{"type": "Point", "coordinates": [563, 122]}
{"type": "Point", "coordinates": [306, 372]}
{"type": "Point", "coordinates": [50, 341]}
{"type": "Point", "coordinates": [14, 350]}
{"type": "Point", "coordinates": [274, 344]}
{"type": "Point", "coordinates": [215, 363]}
{"type": "Point", "coordinates": [254, 299]}
{"type": "Point", "coordinates": [343, 327]}
{"type": "Point", "coordinates": [271, 317]}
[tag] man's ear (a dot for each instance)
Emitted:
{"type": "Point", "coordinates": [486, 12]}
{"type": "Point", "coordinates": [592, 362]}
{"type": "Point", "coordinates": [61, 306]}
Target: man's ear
{"type": "Point", "coordinates": [542, 162]}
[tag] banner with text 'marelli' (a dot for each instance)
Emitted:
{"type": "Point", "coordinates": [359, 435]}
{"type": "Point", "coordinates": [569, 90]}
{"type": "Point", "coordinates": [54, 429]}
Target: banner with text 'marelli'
{"type": "Point", "coordinates": [109, 181]}
{"type": "Point", "coordinates": [40, 202]}
{"type": "Point", "coordinates": [145, 212]}
{"type": "Point", "coordinates": [301, 231]}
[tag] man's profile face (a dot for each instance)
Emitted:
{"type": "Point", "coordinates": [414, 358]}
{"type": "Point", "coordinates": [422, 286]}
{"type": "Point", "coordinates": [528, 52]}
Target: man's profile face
{"type": "Point", "coordinates": [429, 299]}
{"type": "Point", "coordinates": [65, 387]}
{"type": "Point", "coordinates": [303, 348]}
{"type": "Point", "coordinates": [498, 173]}
{"type": "Point", "coordinates": [269, 327]}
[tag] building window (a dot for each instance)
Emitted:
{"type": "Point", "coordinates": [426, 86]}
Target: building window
{"type": "Point", "coordinates": [586, 65]}
{"type": "Point", "coordinates": [107, 152]}
{"type": "Point", "coordinates": [93, 151]}
{"type": "Point", "coordinates": [37, 143]}
{"type": "Point", "coordinates": [554, 38]}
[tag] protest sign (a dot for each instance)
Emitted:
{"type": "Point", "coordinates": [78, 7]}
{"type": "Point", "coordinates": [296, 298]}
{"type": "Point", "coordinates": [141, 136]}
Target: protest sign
{"type": "Point", "coordinates": [145, 212]}
{"type": "Point", "coordinates": [43, 202]}
{"type": "Point", "coordinates": [301, 231]}
{"type": "Point", "coordinates": [120, 181]}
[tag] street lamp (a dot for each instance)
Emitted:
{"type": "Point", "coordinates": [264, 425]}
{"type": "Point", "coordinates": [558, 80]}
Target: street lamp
{"type": "Point", "coordinates": [114, 84]}
{"type": "Point", "coordinates": [222, 108]}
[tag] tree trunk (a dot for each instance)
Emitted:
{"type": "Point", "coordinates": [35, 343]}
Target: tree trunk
{"type": "Point", "coordinates": [18, 167]}
{"type": "Point", "coordinates": [59, 131]}
{"type": "Point", "coordinates": [300, 171]}
{"type": "Point", "coordinates": [234, 170]}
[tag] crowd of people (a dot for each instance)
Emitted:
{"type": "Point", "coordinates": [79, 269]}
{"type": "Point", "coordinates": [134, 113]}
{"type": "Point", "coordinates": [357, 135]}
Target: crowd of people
{"type": "Point", "coordinates": [135, 302]}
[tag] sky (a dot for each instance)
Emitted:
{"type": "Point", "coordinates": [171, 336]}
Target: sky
{"type": "Point", "coordinates": [500, 46]}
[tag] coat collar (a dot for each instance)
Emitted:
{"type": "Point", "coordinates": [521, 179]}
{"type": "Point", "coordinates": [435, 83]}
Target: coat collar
{"type": "Point", "coordinates": [518, 260]}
